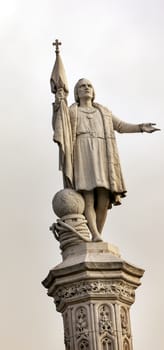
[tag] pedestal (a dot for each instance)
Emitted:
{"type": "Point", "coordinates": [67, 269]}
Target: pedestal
{"type": "Point", "coordinates": [94, 288]}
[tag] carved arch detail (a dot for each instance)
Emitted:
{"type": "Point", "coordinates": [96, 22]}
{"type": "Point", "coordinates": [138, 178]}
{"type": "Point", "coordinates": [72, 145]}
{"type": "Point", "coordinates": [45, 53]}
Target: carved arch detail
{"type": "Point", "coordinates": [107, 344]}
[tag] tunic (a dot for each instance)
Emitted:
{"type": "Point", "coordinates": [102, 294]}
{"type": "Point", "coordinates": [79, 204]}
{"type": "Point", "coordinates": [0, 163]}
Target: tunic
{"type": "Point", "coordinates": [90, 154]}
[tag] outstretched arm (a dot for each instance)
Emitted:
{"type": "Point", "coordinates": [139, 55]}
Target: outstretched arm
{"type": "Point", "coordinates": [123, 127]}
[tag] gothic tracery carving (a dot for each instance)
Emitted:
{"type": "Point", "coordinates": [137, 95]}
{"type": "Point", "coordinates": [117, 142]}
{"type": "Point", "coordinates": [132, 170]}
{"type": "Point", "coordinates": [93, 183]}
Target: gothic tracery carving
{"type": "Point", "coordinates": [81, 323]}
{"type": "Point", "coordinates": [105, 323]}
{"type": "Point", "coordinates": [124, 321]}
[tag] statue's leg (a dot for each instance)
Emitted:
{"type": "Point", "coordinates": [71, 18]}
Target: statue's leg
{"type": "Point", "coordinates": [90, 215]}
{"type": "Point", "coordinates": [102, 196]}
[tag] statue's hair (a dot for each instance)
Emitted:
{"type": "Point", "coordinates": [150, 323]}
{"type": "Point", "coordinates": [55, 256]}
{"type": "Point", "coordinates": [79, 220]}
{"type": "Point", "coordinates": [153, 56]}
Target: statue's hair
{"type": "Point", "coordinates": [76, 91]}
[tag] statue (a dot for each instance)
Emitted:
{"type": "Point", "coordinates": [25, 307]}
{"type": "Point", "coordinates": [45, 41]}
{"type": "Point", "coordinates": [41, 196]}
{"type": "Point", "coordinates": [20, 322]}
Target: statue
{"type": "Point", "coordinates": [88, 156]}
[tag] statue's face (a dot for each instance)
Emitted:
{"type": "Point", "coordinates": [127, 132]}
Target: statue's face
{"type": "Point", "coordinates": [85, 89]}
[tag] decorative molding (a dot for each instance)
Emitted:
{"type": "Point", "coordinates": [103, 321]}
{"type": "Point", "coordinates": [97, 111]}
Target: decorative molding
{"type": "Point", "coordinates": [118, 289]}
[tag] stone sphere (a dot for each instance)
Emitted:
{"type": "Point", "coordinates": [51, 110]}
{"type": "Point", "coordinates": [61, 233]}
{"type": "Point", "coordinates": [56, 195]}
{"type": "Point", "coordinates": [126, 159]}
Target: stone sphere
{"type": "Point", "coordinates": [67, 202]}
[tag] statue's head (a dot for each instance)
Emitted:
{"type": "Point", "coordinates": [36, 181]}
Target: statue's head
{"type": "Point", "coordinates": [83, 88]}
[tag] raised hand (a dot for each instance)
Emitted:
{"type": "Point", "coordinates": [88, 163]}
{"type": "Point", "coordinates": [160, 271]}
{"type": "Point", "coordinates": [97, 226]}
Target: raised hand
{"type": "Point", "coordinates": [60, 95]}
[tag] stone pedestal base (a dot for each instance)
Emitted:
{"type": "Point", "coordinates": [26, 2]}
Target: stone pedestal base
{"type": "Point", "coordinates": [94, 288]}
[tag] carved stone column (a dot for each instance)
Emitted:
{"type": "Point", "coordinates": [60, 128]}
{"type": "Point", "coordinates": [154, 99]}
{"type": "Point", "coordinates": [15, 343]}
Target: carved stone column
{"type": "Point", "coordinates": [94, 288]}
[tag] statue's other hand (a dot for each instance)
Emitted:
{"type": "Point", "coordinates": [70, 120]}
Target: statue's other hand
{"type": "Point", "coordinates": [148, 127]}
{"type": "Point", "coordinates": [60, 95]}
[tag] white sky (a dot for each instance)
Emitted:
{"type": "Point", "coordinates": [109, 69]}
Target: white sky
{"type": "Point", "coordinates": [119, 46]}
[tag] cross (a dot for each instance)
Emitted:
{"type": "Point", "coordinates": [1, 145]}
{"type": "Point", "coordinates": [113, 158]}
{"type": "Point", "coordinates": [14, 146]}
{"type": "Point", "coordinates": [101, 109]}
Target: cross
{"type": "Point", "coordinates": [56, 43]}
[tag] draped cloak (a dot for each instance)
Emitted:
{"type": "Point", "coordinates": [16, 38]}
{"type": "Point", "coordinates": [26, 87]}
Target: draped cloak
{"type": "Point", "coordinates": [66, 138]}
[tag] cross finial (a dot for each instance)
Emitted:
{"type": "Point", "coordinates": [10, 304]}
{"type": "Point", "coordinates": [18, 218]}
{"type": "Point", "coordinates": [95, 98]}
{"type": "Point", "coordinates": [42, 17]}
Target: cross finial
{"type": "Point", "coordinates": [57, 43]}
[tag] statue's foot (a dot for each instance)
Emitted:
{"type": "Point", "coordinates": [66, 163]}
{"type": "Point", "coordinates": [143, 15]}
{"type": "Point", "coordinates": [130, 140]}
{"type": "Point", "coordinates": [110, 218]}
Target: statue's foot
{"type": "Point", "coordinates": [96, 238]}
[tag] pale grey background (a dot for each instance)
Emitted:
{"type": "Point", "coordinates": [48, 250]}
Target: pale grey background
{"type": "Point", "coordinates": [119, 46]}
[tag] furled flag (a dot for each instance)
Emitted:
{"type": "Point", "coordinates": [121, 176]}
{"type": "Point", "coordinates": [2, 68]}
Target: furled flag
{"type": "Point", "coordinates": [61, 120]}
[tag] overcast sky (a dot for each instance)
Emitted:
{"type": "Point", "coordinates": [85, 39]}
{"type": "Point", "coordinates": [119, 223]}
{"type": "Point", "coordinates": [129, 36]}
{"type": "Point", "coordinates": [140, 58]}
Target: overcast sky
{"type": "Point", "coordinates": [119, 46]}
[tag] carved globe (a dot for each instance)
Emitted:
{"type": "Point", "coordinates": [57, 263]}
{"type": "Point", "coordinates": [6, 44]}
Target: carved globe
{"type": "Point", "coordinates": [67, 202]}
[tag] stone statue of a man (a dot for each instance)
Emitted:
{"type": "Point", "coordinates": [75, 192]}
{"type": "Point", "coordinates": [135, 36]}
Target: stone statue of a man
{"type": "Point", "coordinates": [96, 170]}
